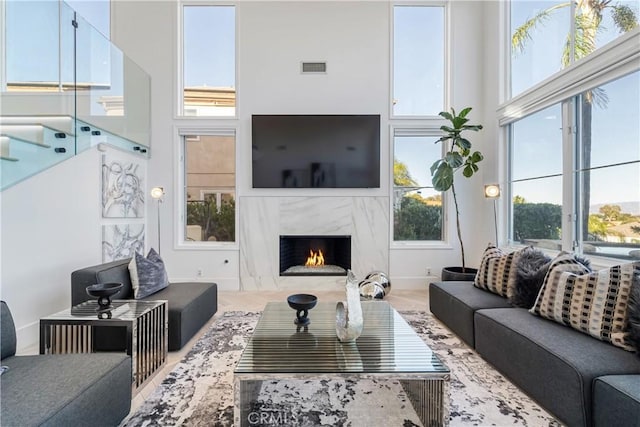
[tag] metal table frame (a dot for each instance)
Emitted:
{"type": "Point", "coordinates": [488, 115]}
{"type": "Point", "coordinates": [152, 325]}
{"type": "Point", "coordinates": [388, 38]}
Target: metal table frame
{"type": "Point", "coordinates": [388, 349]}
{"type": "Point", "coordinates": [146, 324]}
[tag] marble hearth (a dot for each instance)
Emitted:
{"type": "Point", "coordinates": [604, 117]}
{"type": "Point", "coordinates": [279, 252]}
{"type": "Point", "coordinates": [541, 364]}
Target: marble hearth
{"type": "Point", "coordinates": [264, 219]}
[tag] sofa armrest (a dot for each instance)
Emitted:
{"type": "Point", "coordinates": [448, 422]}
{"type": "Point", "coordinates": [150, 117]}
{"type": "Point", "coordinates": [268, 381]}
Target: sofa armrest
{"type": "Point", "coordinates": [116, 271]}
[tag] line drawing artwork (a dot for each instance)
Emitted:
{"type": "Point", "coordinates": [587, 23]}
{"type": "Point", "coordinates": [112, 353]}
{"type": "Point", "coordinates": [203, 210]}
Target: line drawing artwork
{"type": "Point", "coordinates": [120, 241]}
{"type": "Point", "coordinates": [122, 189]}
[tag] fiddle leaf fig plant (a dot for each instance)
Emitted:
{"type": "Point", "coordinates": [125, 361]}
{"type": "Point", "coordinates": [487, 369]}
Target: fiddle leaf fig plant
{"type": "Point", "coordinates": [458, 156]}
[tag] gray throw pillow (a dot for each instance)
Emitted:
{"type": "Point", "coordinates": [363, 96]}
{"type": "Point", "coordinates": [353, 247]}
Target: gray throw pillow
{"type": "Point", "coordinates": [148, 275]}
{"type": "Point", "coordinates": [634, 313]}
{"type": "Point", "coordinates": [530, 271]}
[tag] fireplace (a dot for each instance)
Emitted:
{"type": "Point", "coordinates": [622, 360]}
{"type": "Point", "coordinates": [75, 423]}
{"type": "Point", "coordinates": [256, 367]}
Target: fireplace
{"type": "Point", "coordinates": [315, 255]}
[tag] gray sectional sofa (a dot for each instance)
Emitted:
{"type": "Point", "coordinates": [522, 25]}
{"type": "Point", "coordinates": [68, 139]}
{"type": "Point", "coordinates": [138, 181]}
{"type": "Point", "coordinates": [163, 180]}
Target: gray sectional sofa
{"type": "Point", "coordinates": [191, 304]}
{"type": "Point", "coordinates": [580, 380]}
{"type": "Point", "coordinates": [61, 390]}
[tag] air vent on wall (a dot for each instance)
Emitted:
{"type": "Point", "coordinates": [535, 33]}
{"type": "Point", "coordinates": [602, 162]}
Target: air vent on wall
{"type": "Point", "coordinates": [314, 67]}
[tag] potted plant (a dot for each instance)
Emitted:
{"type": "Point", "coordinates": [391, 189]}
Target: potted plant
{"type": "Point", "coordinates": [458, 156]}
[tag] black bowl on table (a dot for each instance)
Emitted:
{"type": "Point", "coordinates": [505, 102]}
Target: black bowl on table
{"type": "Point", "coordinates": [104, 292]}
{"type": "Point", "coordinates": [302, 303]}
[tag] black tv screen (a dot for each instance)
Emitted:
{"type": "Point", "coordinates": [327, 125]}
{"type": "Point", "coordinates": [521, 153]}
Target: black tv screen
{"type": "Point", "coordinates": [315, 151]}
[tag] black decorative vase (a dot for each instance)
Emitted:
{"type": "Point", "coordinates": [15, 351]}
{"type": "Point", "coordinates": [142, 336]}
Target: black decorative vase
{"type": "Point", "coordinates": [103, 292]}
{"type": "Point", "coordinates": [451, 274]}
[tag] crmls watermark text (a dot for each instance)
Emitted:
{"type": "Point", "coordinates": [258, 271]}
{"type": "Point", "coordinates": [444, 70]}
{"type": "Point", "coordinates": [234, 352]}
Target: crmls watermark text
{"type": "Point", "coordinates": [275, 418]}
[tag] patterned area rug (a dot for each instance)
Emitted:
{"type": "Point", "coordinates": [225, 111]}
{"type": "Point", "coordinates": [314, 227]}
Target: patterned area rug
{"type": "Point", "coordinates": [199, 391]}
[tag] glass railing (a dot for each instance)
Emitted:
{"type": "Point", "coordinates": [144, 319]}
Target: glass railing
{"type": "Point", "coordinates": [64, 88]}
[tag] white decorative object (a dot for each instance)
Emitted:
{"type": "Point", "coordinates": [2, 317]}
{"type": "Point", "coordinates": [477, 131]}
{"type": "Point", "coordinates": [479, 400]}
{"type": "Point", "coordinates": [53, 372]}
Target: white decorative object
{"type": "Point", "coordinates": [349, 320]}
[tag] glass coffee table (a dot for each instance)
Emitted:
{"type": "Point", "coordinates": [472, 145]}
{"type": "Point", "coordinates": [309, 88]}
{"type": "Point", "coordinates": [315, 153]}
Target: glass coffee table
{"type": "Point", "coordinates": [146, 324]}
{"type": "Point", "coordinates": [388, 349]}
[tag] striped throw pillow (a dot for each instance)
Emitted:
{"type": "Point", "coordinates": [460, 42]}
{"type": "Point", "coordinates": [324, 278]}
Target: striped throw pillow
{"type": "Point", "coordinates": [594, 303]}
{"type": "Point", "coordinates": [497, 272]}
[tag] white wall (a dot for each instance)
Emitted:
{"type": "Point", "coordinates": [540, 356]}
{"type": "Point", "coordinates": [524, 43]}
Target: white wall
{"type": "Point", "coordinates": [51, 225]}
{"type": "Point", "coordinates": [272, 39]}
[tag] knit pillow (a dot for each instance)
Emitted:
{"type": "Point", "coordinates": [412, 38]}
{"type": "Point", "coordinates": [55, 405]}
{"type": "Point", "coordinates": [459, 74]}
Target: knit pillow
{"type": "Point", "coordinates": [531, 270]}
{"type": "Point", "coordinates": [148, 275]}
{"type": "Point", "coordinates": [594, 303]}
{"type": "Point", "coordinates": [497, 272]}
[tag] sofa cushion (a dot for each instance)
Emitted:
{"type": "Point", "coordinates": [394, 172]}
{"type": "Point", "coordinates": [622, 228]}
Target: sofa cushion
{"type": "Point", "coordinates": [552, 363]}
{"type": "Point", "coordinates": [593, 303]}
{"type": "Point", "coordinates": [616, 401]}
{"type": "Point", "coordinates": [148, 275]}
{"type": "Point", "coordinates": [7, 331]}
{"type": "Point", "coordinates": [64, 390]}
{"type": "Point", "coordinates": [497, 272]}
{"type": "Point", "coordinates": [531, 270]}
{"type": "Point", "coordinates": [191, 305]}
{"type": "Point", "coordinates": [454, 304]}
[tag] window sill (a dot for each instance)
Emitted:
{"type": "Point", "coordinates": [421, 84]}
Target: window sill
{"type": "Point", "coordinates": [207, 246]}
{"type": "Point", "coordinates": [437, 245]}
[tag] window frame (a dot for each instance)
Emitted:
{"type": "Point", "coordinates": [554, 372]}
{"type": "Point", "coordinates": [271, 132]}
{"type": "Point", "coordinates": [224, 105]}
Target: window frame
{"type": "Point", "coordinates": [180, 238]}
{"type": "Point", "coordinates": [606, 64]}
{"type": "Point", "coordinates": [425, 130]}
{"type": "Point", "coordinates": [447, 57]}
{"type": "Point", "coordinates": [179, 113]}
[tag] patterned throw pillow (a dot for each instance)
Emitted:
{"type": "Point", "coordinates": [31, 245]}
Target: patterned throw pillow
{"type": "Point", "coordinates": [497, 272]}
{"type": "Point", "coordinates": [148, 275]}
{"type": "Point", "coordinates": [634, 312]}
{"type": "Point", "coordinates": [594, 303]}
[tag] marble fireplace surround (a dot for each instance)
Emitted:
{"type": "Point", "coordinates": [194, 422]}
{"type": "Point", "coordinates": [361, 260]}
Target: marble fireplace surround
{"type": "Point", "coordinates": [264, 219]}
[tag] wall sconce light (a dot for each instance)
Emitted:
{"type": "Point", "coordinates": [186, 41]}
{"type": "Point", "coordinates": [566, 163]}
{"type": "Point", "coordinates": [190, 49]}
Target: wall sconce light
{"type": "Point", "coordinates": [492, 191]}
{"type": "Point", "coordinates": [157, 193]}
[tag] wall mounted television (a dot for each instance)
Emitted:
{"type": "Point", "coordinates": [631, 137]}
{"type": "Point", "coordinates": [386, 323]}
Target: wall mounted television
{"type": "Point", "coordinates": [315, 151]}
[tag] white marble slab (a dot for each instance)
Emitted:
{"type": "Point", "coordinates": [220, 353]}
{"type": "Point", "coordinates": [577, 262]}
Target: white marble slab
{"type": "Point", "coordinates": [264, 219]}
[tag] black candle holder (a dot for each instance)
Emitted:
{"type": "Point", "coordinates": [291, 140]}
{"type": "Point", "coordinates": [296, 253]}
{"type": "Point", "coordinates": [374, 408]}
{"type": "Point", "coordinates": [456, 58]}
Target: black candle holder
{"type": "Point", "coordinates": [302, 303]}
{"type": "Point", "coordinates": [103, 292]}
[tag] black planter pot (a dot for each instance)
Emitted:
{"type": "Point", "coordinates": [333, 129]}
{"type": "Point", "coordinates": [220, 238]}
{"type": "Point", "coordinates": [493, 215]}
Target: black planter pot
{"type": "Point", "coordinates": [451, 274]}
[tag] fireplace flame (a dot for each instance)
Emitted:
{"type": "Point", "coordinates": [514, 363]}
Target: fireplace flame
{"type": "Point", "coordinates": [315, 259]}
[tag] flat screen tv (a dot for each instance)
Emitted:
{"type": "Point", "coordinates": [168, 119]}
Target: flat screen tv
{"type": "Point", "coordinates": [315, 151]}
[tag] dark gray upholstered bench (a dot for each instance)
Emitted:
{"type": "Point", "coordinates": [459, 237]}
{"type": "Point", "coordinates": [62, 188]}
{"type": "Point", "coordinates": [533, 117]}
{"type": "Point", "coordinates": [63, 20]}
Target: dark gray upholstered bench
{"type": "Point", "coordinates": [554, 364]}
{"type": "Point", "coordinates": [191, 304]}
{"type": "Point", "coordinates": [616, 401]}
{"type": "Point", "coordinates": [61, 390]}
{"type": "Point", "coordinates": [582, 381]}
{"type": "Point", "coordinates": [455, 303]}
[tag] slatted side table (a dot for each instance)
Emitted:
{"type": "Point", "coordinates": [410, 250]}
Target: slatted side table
{"type": "Point", "coordinates": [146, 323]}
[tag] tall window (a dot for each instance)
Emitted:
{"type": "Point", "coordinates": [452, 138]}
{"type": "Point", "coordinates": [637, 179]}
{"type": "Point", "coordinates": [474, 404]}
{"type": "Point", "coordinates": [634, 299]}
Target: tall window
{"type": "Point", "coordinates": [536, 179]}
{"type": "Point", "coordinates": [606, 164]}
{"type": "Point", "coordinates": [417, 207]}
{"type": "Point", "coordinates": [418, 60]}
{"type": "Point", "coordinates": [209, 183]}
{"type": "Point", "coordinates": [543, 40]}
{"type": "Point", "coordinates": [208, 61]}
{"type": "Point", "coordinates": [609, 168]}
{"type": "Point", "coordinates": [539, 33]}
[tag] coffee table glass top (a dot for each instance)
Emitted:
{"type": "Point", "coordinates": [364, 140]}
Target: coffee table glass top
{"type": "Point", "coordinates": [387, 344]}
{"type": "Point", "coordinates": [122, 310]}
